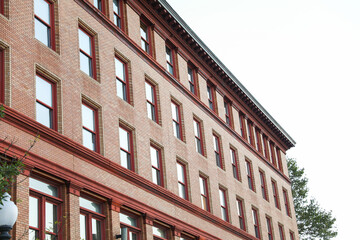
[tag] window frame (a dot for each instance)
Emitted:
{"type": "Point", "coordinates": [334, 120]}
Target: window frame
{"type": "Point", "coordinates": [119, 16]}
{"type": "Point", "coordinates": [166, 230]}
{"type": "Point", "coordinates": [185, 183]}
{"type": "Point", "coordinates": [211, 96]}
{"type": "Point", "coordinates": [131, 146]}
{"type": "Point", "coordinates": [51, 26]}
{"type": "Point", "coordinates": [204, 181]}
{"type": "Point", "coordinates": [272, 153]}
{"type": "Point", "coordinates": [275, 194]}
{"type": "Point", "coordinates": [90, 215]}
{"type": "Point", "coordinates": [243, 129]}
{"type": "Point", "coordinates": [258, 142]}
{"type": "Point", "coordinates": [199, 139]}
{"type": "Point", "coordinates": [250, 132]}
{"type": "Point", "coordinates": [235, 163]}
{"type": "Point", "coordinates": [177, 122]}
{"type": "Point", "coordinates": [265, 146]}
{"type": "Point", "coordinates": [43, 198]}
{"type": "Point", "coordinates": [241, 213]}
{"type": "Point", "coordinates": [292, 235]}
{"type": "Point", "coordinates": [123, 81]}
{"type": "Point", "coordinates": [138, 230]}
{"type": "Point", "coordinates": [264, 190]}
{"type": "Point", "coordinates": [279, 159]}
{"type": "Point", "coordinates": [286, 202]}
{"type": "Point", "coordinates": [172, 57]}
{"type": "Point", "coordinates": [96, 126]}
{"type": "Point", "coordinates": [160, 163]}
{"type": "Point", "coordinates": [193, 82]}
{"type": "Point", "coordinates": [145, 26]}
{"type": "Point", "coordinates": [2, 75]}
{"type": "Point", "coordinates": [153, 104]}
{"type": "Point", "coordinates": [281, 232]}
{"type": "Point", "coordinates": [92, 57]}
{"type": "Point", "coordinates": [228, 112]}
{"type": "Point", "coordinates": [53, 109]}
{"type": "Point", "coordinates": [101, 7]}
{"type": "Point", "coordinates": [256, 222]}
{"type": "Point", "coordinates": [250, 176]}
{"type": "Point", "coordinates": [269, 228]}
{"type": "Point", "coordinates": [218, 151]}
{"type": "Point", "coordinates": [224, 208]}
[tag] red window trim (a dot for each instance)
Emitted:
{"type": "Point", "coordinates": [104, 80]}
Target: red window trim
{"type": "Point", "coordinates": [145, 23]}
{"type": "Point", "coordinates": [51, 26]}
{"type": "Point", "coordinates": [119, 16]}
{"type": "Point", "coordinates": [286, 202]}
{"type": "Point", "coordinates": [273, 157]}
{"type": "Point", "coordinates": [219, 152]}
{"type": "Point", "coordinates": [137, 230]}
{"type": "Point", "coordinates": [258, 141]}
{"type": "Point", "coordinates": [265, 144]}
{"type": "Point", "coordinates": [233, 153]}
{"type": "Point", "coordinates": [211, 97]}
{"type": "Point", "coordinates": [278, 154]}
{"type": "Point", "coordinates": [165, 229]}
{"type": "Point", "coordinates": [160, 169]}
{"type": "Point", "coordinates": [2, 75]}
{"type": "Point", "coordinates": [89, 214]}
{"type": "Point", "coordinates": [126, 81]}
{"type": "Point", "coordinates": [240, 205]}
{"type": "Point", "coordinates": [2, 7]}
{"type": "Point", "coordinates": [102, 6]}
{"type": "Point", "coordinates": [43, 198]}
{"type": "Point", "coordinates": [54, 100]}
{"type": "Point", "coordinates": [228, 113]}
{"type": "Point", "coordinates": [292, 237]}
{"type": "Point", "coordinates": [199, 124]}
{"type": "Point", "coordinates": [206, 189]}
{"type": "Point", "coordinates": [242, 125]}
{"type": "Point", "coordinates": [281, 232]}
{"type": "Point", "coordinates": [250, 131]}
{"type": "Point", "coordinates": [155, 103]}
{"type": "Point", "coordinates": [130, 132]}
{"type": "Point", "coordinates": [249, 173]}
{"type": "Point", "coordinates": [172, 57]}
{"type": "Point", "coordinates": [223, 192]}
{"type": "Point", "coordinates": [256, 223]}
{"type": "Point", "coordinates": [193, 83]}
{"type": "Point", "coordinates": [185, 183]}
{"type": "Point", "coordinates": [179, 122]}
{"type": "Point", "coordinates": [269, 228]}
{"type": "Point", "coordinates": [275, 193]}
{"type": "Point", "coordinates": [92, 57]}
{"type": "Point", "coordinates": [263, 185]}
{"type": "Point", "coordinates": [96, 124]}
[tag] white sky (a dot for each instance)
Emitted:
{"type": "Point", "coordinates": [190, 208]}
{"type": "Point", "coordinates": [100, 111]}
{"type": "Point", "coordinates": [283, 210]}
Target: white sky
{"type": "Point", "coordinates": [300, 60]}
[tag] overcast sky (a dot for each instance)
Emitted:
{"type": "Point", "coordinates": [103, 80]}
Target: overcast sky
{"type": "Point", "coordinates": [300, 60]}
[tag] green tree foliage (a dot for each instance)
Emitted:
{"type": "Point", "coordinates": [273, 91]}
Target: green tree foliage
{"type": "Point", "coordinates": [313, 221]}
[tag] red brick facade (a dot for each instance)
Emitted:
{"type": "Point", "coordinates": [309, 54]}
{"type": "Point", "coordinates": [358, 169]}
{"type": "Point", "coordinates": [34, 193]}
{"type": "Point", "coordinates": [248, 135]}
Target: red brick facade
{"type": "Point", "coordinates": [61, 159]}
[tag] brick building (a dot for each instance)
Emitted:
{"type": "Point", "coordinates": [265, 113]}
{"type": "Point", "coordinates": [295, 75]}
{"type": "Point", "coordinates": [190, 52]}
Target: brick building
{"type": "Point", "coordinates": [143, 131]}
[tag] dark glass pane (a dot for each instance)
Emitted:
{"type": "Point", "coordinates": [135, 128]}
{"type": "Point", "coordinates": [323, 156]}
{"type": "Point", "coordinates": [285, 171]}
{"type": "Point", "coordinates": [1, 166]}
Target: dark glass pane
{"type": "Point", "coordinates": [96, 229]}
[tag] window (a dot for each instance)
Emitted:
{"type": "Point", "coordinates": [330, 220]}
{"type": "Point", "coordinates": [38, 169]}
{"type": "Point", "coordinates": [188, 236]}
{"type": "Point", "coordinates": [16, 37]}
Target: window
{"type": "Point", "coordinates": [145, 37]}
{"type": "Point", "coordinates": [258, 140]}
{"type": "Point", "coordinates": [256, 223]}
{"type": "Point", "coordinates": [211, 96]}
{"type": "Point", "coordinates": [217, 151]}
{"type": "Point", "coordinates": [118, 13]}
{"type": "Point", "coordinates": [45, 102]}
{"type": "Point", "coordinates": [170, 60]}
{"type": "Point", "coordinates": [198, 137]}
{"type": "Point", "coordinates": [204, 193]}
{"type": "Point", "coordinates": [182, 180]}
{"type": "Point", "coordinates": [269, 228]}
{"type": "Point", "coordinates": [265, 146]}
{"type": "Point", "coordinates": [242, 124]}
{"type": "Point", "coordinates": [122, 82]}
{"type": "Point", "coordinates": [176, 118]}
{"type": "Point", "coordinates": [92, 220]}
{"type": "Point", "coordinates": [44, 22]}
{"type": "Point", "coordinates": [272, 154]}
{"type": "Point", "coordinates": [100, 4]}
{"type": "Point", "coordinates": [275, 194]}
{"type": "Point", "coordinates": [281, 232]}
{"type": "Point", "coordinates": [131, 225]}
{"type": "Point", "coordinates": [250, 175]}
{"type": "Point", "coordinates": [192, 80]}
{"type": "Point", "coordinates": [250, 137]}
{"type": "Point", "coordinates": [87, 53]}
{"type": "Point", "coordinates": [90, 127]}
{"type": "Point", "coordinates": [156, 162]}
{"type": "Point", "coordinates": [286, 201]}
{"type": "Point", "coordinates": [263, 185]}
{"type": "Point", "coordinates": [160, 232]}
{"type": "Point", "coordinates": [151, 101]}
{"type": "Point", "coordinates": [292, 235]}
{"type": "Point", "coordinates": [223, 205]}
{"type": "Point", "coordinates": [228, 113]}
{"type": "Point", "coordinates": [240, 212]}
{"type": "Point", "coordinates": [126, 148]}
{"type": "Point", "coordinates": [2, 75]}
{"type": "Point", "coordinates": [44, 210]}
{"type": "Point", "coordinates": [278, 154]}
{"type": "Point", "coordinates": [186, 237]}
{"type": "Point", "coordinates": [235, 164]}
